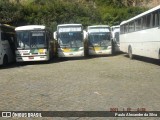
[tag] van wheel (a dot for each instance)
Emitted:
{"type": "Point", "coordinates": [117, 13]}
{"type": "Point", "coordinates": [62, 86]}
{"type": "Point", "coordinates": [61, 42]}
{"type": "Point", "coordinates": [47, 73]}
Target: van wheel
{"type": "Point", "coordinates": [130, 52]}
{"type": "Point", "coordinates": [5, 60]}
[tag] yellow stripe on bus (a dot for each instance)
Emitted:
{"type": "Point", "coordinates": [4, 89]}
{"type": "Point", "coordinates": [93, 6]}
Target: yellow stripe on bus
{"type": "Point", "coordinates": [97, 48]}
{"type": "Point", "coordinates": [66, 50]}
{"type": "Point", "coordinates": [41, 51]}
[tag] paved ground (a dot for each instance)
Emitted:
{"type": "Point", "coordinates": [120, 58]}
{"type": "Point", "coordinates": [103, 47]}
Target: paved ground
{"type": "Point", "coordinates": [90, 84]}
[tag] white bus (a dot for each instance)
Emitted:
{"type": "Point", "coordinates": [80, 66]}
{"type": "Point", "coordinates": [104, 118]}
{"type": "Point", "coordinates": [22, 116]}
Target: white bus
{"type": "Point", "coordinates": [99, 40]}
{"type": "Point", "coordinates": [33, 43]}
{"type": "Point", "coordinates": [140, 35]}
{"type": "Point", "coordinates": [70, 40]}
{"type": "Point", "coordinates": [115, 36]}
{"type": "Point", "coordinates": [7, 46]}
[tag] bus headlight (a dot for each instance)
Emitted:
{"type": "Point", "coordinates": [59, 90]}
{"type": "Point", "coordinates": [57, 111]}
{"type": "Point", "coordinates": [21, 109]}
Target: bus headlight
{"type": "Point", "coordinates": [18, 53]}
{"type": "Point", "coordinates": [81, 49]}
{"type": "Point", "coordinates": [41, 51]}
{"type": "Point", "coordinates": [109, 47]}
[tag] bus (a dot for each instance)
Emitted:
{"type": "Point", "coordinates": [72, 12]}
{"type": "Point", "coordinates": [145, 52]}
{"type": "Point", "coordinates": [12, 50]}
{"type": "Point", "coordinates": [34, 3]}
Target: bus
{"type": "Point", "coordinates": [7, 46]}
{"type": "Point", "coordinates": [115, 36]}
{"type": "Point", "coordinates": [99, 40]}
{"type": "Point", "coordinates": [33, 43]}
{"type": "Point", "coordinates": [140, 35]}
{"type": "Point", "coordinates": [70, 40]}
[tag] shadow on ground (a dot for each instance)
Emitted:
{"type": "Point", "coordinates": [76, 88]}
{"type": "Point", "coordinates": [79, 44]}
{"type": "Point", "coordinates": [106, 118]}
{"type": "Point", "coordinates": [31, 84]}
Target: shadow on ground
{"type": "Point", "coordinates": [145, 59]}
{"type": "Point", "coordinates": [54, 60]}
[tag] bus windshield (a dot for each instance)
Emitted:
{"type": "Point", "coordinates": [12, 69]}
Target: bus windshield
{"type": "Point", "coordinates": [99, 39]}
{"type": "Point", "coordinates": [31, 39]}
{"type": "Point", "coordinates": [37, 39]}
{"type": "Point", "coordinates": [70, 39]}
{"type": "Point", "coordinates": [23, 40]}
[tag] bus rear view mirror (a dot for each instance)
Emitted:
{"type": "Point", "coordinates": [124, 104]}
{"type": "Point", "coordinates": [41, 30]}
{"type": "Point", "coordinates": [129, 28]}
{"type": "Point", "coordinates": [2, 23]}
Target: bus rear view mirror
{"type": "Point", "coordinates": [55, 35]}
{"type": "Point", "coordinates": [84, 34]}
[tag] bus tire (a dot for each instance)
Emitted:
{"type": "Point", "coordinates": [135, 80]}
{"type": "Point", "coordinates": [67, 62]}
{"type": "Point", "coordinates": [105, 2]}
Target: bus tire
{"type": "Point", "coordinates": [130, 52]}
{"type": "Point", "coordinates": [159, 54]}
{"type": "Point", "coordinates": [5, 60]}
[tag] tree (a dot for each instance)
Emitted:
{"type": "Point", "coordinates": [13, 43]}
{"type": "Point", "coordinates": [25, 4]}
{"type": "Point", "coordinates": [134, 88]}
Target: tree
{"type": "Point", "coordinates": [9, 12]}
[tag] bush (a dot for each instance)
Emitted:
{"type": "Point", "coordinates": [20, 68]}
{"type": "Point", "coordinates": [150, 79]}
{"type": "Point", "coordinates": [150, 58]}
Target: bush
{"type": "Point", "coordinates": [53, 12]}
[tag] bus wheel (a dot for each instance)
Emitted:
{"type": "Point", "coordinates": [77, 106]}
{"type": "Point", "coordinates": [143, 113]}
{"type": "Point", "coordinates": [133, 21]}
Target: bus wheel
{"type": "Point", "coordinates": [159, 54]}
{"type": "Point", "coordinates": [130, 52]}
{"type": "Point", "coordinates": [5, 60]}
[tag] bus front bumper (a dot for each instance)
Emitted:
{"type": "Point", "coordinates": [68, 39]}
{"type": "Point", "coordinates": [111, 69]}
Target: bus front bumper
{"type": "Point", "coordinates": [31, 58]}
{"type": "Point", "coordinates": [100, 52]}
{"type": "Point", "coordinates": [71, 54]}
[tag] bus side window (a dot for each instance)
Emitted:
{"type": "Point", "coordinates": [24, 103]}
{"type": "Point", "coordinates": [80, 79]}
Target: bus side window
{"type": "Point", "coordinates": [144, 22]}
{"type": "Point", "coordinates": [148, 21]}
{"type": "Point", "coordinates": [155, 19]}
{"type": "Point", "coordinates": [121, 29]}
{"type": "Point", "coordinates": [3, 36]}
{"type": "Point", "coordinates": [159, 17]}
{"type": "Point", "coordinates": [126, 28]}
{"type": "Point", "coordinates": [138, 25]}
{"type": "Point", "coordinates": [131, 26]}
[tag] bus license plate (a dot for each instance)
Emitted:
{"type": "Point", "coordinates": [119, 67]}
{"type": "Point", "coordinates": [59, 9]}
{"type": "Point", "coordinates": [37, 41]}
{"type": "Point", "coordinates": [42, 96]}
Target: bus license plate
{"type": "Point", "coordinates": [31, 57]}
{"type": "Point", "coordinates": [100, 52]}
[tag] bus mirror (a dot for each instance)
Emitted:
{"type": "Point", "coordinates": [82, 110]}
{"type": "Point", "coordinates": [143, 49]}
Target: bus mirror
{"type": "Point", "coordinates": [84, 34]}
{"type": "Point", "coordinates": [55, 35]}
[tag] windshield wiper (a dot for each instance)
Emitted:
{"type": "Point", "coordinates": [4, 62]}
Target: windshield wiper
{"type": "Point", "coordinates": [34, 46]}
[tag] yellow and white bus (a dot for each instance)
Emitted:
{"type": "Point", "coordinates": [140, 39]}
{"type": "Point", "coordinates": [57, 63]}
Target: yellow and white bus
{"type": "Point", "coordinates": [140, 35]}
{"type": "Point", "coordinates": [99, 40]}
{"type": "Point", "coordinates": [33, 43]}
{"type": "Point", "coordinates": [7, 46]}
{"type": "Point", "coordinates": [70, 40]}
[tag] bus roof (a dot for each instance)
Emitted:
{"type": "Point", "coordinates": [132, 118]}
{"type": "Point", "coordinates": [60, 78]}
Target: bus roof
{"type": "Point", "coordinates": [115, 26]}
{"type": "Point", "coordinates": [6, 25]}
{"type": "Point", "coordinates": [98, 28]}
{"type": "Point", "coordinates": [94, 26]}
{"type": "Point", "coordinates": [142, 14]}
{"type": "Point", "coordinates": [30, 27]}
{"type": "Point", "coordinates": [65, 25]}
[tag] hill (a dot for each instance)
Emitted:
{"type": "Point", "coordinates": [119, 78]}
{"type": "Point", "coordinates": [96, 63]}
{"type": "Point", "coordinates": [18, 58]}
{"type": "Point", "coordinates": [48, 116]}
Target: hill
{"type": "Point", "coordinates": [144, 3]}
{"type": "Point", "coordinates": [87, 12]}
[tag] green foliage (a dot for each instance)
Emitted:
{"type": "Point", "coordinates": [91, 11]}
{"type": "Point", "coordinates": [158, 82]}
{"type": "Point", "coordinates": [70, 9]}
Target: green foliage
{"type": "Point", "coordinates": [114, 15]}
{"type": "Point", "coordinates": [9, 12]}
{"type": "Point", "coordinates": [113, 3]}
{"type": "Point", "coordinates": [53, 12]}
